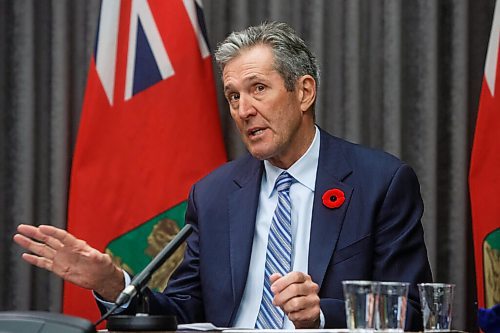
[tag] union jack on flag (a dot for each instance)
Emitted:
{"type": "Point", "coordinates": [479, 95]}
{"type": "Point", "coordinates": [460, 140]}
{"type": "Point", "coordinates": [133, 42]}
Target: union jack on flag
{"type": "Point", "coordinates": [147, 59]}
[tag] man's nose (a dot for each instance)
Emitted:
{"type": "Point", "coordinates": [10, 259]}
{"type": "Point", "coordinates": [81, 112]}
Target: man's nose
{"type": "Point", "coordinates": [246, 107]}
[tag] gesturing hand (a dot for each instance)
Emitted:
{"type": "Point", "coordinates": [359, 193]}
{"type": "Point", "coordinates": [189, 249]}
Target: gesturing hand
{"type": "Point", "coordinates": [72, 259]}
{"type": "Point", "coordinates": [297, 295]}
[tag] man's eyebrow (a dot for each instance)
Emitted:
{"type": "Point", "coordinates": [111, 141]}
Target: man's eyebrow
{"type": "Point", "coordinates": [252, 78]}
{"type": "Point", "coordinates": [256, 78]}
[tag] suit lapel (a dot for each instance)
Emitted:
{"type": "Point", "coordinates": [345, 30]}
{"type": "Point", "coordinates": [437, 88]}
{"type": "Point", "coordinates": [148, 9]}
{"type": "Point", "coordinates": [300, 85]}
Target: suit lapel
{"type": "Point", "coordinates": [327, 222]}
{"type": "Point", "coordinates": [242, 203]}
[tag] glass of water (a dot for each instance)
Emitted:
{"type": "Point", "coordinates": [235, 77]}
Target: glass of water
{"type": "Point", "coordinates": [436, 300]}
{"type": "Point", "coordinates": [359, 305]}
{"type": "Point", "coordinates": [390, 306]}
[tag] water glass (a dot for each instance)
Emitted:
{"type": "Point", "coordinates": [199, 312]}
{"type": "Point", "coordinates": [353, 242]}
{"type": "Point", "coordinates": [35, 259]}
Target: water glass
{"type": "Point", "coordinates": [390, 306]}
{"type": "Point", "coordinates": [436, 300]}
{"type": "Point", "coordinates": [359, 305]}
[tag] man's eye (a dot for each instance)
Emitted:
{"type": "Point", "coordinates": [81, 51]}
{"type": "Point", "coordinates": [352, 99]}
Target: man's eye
{"type": "Point", "coordinates": [260, 87]}
{"type": "Point", "coordinates": [234, 97]}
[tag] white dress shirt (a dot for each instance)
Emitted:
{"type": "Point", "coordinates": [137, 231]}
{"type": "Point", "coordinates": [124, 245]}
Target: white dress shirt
{"type": "Point", "coordinates": [302, 195]}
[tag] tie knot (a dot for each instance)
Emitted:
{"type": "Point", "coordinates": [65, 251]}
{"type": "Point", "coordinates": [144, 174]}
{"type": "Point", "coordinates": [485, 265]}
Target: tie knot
{"type": "Point", "coordinates": [284, 181]}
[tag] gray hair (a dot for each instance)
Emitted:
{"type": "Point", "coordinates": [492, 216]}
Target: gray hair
{"type": "Point", "coordinates": [292, 58]}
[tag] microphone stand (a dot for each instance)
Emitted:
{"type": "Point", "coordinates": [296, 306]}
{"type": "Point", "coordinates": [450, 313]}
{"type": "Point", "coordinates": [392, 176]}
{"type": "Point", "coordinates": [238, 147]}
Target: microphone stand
{"type": "Point", "coordinates": [142, 321]}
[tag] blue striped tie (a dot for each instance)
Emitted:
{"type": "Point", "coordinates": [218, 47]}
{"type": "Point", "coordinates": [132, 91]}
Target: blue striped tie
{"type": "Point", "coordinates": [279, 254]}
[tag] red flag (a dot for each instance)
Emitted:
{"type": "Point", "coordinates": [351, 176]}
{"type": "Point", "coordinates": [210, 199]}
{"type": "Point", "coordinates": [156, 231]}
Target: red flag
{"type": "Point", "coordinates": [149, 129]}
{"type": "Point", "coordinates": [484, 178]}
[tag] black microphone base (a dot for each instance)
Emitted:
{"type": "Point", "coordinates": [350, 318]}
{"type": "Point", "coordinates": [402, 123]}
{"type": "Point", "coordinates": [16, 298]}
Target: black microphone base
{"type": "Point", "coordinates": [142, 323]}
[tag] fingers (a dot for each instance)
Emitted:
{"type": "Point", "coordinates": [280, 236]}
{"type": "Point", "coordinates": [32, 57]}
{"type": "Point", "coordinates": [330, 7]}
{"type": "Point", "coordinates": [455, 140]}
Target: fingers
{"type": "Point", "coordinates": [292, 290]}
{"type": "Point", "coordinates": [39, 234]}
{"type": "Point", "coordinates": [297, 295]}
{"type": "Point", "coordinates": [22, 240]}
{"type": "Point", "coordinates": [280, 283]}
{"type": "Point", "coordinates": [59, 236]}
{"type": "Point", "coordinates": [29, 231]}
{"type": "Point", "coordinates": [303, 311]}
{"type": "Point", "coordinates": [302, 307]}
{"type": "Point", "coordinates": [37, 248]}
{"type": "Point", "coordinates": [70, 258]}
{"type": "Point", "coordinates": [38, 261]}
{"type": "Point", "coordinates": [307, 318]}
{"type": "Point", "coordinates": [274, 277]}
{"type": "Point", "coordinates": [45, 242]}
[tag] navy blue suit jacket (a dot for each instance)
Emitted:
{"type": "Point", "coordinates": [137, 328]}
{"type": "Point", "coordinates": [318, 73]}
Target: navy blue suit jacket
{"type": "Point", "coordinates": [375, 235]}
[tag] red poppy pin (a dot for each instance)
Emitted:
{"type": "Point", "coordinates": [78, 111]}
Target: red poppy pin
{"type": "Point", "coordinates": [333, 198]}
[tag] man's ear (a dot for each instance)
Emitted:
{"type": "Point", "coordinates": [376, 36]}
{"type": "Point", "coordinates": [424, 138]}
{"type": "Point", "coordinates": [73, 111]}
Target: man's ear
{"type": "Point", "coordinates": [306, 86]}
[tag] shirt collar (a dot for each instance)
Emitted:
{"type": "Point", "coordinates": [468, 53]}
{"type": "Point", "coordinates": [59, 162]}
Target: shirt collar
{"type": "Point", "coordinates": [303, 170]}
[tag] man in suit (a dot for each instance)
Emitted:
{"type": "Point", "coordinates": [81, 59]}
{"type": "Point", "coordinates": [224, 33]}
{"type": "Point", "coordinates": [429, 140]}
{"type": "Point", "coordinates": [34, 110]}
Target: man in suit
{"type": "Point", "coordinates": [346, 211]}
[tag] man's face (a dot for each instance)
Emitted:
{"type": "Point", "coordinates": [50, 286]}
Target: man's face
{"type": "Point", "coordinates": [270, 118]}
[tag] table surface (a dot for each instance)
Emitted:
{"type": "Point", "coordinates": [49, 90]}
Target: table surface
{"type": "Point", "coordinates": [210, 328]}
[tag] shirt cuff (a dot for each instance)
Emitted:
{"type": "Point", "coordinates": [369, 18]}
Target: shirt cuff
{"type": "Point", "coordinates": [321, 319]}
{"type": "Point", "coordinates": [109, 305]}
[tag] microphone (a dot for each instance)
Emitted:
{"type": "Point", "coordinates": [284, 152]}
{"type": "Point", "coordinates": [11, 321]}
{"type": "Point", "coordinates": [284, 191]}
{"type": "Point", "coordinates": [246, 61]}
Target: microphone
{"type": "Point", "coordinates": [137, 285]}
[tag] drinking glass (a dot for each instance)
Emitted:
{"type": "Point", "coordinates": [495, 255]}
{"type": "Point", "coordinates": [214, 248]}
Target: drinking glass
{"type": "Point", "coordinates": [436, 300]}
{"type": "Point", "coordinates": [390, 306]}
{"type": "Point", "coordinates": [359, 305]}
